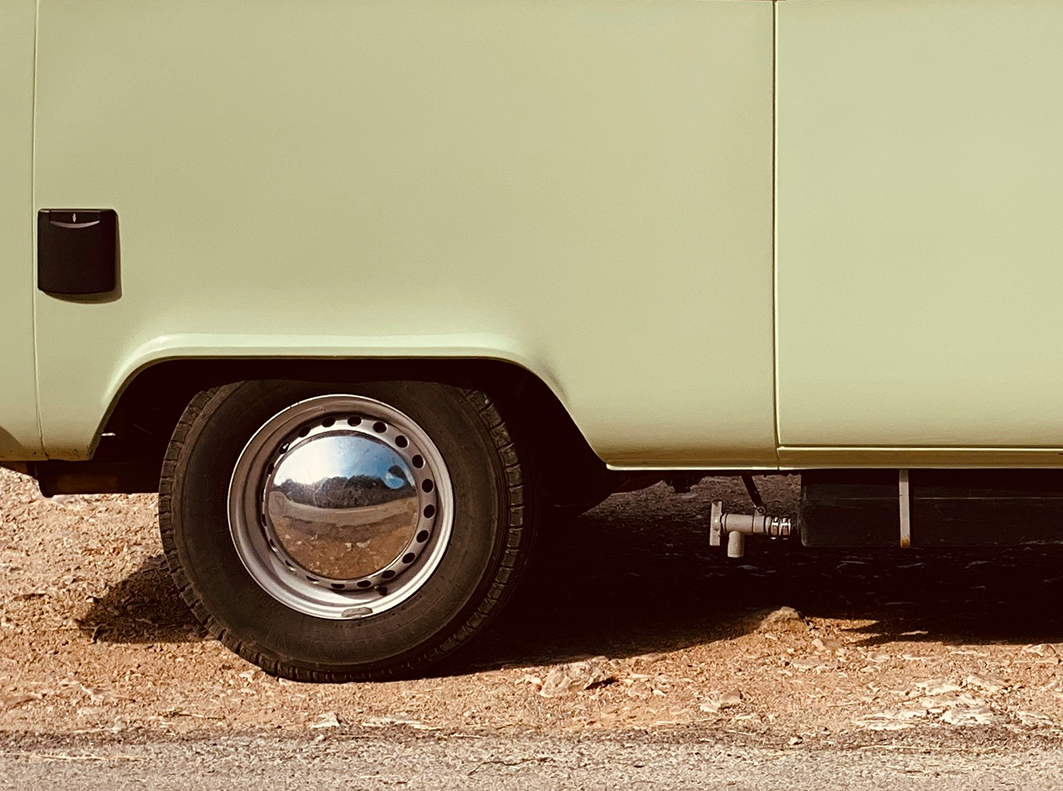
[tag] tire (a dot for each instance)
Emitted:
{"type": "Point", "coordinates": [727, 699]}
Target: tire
{"type": "Point", "coordinates": [222, 519]}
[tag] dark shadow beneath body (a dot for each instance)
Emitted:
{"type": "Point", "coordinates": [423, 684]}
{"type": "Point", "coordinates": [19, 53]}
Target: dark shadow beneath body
{"type": "Point", "coordinates": [636, 576]}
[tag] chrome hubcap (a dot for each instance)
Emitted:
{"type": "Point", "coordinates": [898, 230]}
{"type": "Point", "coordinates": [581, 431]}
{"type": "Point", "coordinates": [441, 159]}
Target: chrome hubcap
{"type": "Point", "coordinates": [340, 506]}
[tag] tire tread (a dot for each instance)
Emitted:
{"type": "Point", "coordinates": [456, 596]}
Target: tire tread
{"type": "Point", "coordinates": [516, 543]}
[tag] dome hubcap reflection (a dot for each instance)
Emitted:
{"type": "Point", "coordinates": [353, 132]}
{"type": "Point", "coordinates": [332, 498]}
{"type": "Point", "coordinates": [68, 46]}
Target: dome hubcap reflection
{"type": "Point", "coordinates": [340, 506]}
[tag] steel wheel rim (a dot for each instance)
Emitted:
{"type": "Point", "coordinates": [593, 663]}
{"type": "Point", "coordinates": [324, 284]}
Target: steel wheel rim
{"type": "Point", "coordinates": [258, 505]}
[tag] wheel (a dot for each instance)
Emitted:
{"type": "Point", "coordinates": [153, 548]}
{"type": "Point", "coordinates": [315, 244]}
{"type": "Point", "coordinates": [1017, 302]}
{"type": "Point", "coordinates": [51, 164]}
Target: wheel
{"type": "Point", "coordinates": [331, 533]}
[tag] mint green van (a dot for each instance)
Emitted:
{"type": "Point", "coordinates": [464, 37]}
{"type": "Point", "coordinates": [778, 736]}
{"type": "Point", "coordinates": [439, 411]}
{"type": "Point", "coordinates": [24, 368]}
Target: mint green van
{"type": "Point", "coordinates": [367, 289]}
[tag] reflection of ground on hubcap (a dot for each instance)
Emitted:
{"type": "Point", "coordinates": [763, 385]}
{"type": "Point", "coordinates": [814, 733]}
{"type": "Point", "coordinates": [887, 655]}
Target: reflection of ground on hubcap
{"type": "Point", "coordinates": [340, 506]}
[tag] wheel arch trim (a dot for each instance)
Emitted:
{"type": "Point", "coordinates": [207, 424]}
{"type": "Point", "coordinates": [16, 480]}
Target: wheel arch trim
{"type": "Point", "coordinates": [202, 347]}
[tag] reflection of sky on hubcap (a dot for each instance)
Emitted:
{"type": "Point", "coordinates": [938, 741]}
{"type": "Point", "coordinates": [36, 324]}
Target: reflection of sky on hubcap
{"type": "Point", "coordinates": [343, 456]}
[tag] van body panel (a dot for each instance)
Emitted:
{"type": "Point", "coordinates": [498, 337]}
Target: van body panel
{"type": "Point", "coordinates": [20, 436]}
{"type": "Point", "coordinates": [581, 187]}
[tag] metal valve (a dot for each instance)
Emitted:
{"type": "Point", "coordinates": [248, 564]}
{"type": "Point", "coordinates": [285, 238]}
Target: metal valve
{"type": "Point", "coordinates": [735, 528]}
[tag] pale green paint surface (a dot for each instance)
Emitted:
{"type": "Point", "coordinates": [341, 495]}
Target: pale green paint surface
{"type": "Point", "coordinates": [920, 227]}
{"type": "Point", "coordinates": [583, 188]}
{"type": "Point", "coordinates": [19, 433]}
{"type": "Point", "coordinates": [580, 186]}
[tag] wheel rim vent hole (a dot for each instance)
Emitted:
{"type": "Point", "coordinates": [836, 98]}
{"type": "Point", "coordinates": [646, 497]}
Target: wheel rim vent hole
{"type": "Point", "coordinates": [422, 536]}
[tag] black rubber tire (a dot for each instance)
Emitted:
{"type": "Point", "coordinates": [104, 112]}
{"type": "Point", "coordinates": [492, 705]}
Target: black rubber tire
{"type": "Point", "coordinates": [489, 544]}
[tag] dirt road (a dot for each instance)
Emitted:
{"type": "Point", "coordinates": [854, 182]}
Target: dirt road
{"type": "Point", "coordinates": [940, 651]}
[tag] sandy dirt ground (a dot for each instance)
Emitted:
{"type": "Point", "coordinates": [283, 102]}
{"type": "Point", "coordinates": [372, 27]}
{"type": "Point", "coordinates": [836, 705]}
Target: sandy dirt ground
{"type": "Point", "coordinates": [627, 623]}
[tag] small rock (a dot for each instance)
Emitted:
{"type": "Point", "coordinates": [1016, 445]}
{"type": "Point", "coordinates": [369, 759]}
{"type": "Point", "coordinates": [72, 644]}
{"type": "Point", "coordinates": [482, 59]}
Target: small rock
{"type": "Point", "coordinates": [939, 704]}
{"type": "Point", "coordinates": [1032, 718]}
{"type": "Point", "coordinates": [638, 688]}
{"type": "Point", "coordinates": [857, 567]}
{"type": "Point", "coordinates": [326, 720]}
{"type": "Point", "coordinates": [8, 702]}
{"type": "Point", "coordinates": [826, 645]}
{"type": "Point", "coordinates": [650, 657]}
{"type": "Point", "coordinates": [878, 656]}
{"type": "Point", "coordinates": [908, 711]}
{"type": "Point", "coordinates": [751, 717]}
{"type": "Point", "coordinates": [990, 683]}
{"type": "Point", "coordinates": [720, 701]}
{"type": "Point", "coordinates": [577, 676]}
{"type": "Point", "coordinates": [971, 715]}
{"type": "Point", "coordinates": [756, 571]}
{"type": "Point", "coordinates": [888, 720]}
{"type": "Point", "coordinates": [784, 619]}
{"type": "Point", "coordinates": [936, 686]}
{"type": "Point", "coordinates": [1041, 649]}
{"type": "Point", "coordinates": [903, 715]}
{"type": "Point", "coordinates": [804, 663]}
{"type": "Point", "coordinates": [100, 695]}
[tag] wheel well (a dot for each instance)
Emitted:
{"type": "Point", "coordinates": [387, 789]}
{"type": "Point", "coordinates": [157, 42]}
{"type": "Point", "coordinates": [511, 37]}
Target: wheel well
{"type": "Point", "coordinates": [146, 412]}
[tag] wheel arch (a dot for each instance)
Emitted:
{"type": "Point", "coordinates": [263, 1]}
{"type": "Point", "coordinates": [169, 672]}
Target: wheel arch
{"type": "Point", "coordinates": [148, 406]}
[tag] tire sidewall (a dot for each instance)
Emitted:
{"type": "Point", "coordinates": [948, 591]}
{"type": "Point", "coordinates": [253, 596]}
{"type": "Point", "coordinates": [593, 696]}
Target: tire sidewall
{"type": "Point", "coordinates": [411, 630]}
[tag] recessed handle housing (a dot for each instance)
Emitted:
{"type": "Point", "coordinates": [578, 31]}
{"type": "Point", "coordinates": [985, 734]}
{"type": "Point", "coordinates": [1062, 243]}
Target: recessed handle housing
{"type": "Point", "coordinates": [77, 251]}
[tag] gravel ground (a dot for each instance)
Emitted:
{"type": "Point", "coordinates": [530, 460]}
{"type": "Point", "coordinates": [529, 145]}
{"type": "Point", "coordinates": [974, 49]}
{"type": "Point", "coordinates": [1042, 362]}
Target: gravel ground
{"type": "Point", "coordinates": [628, 627]}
